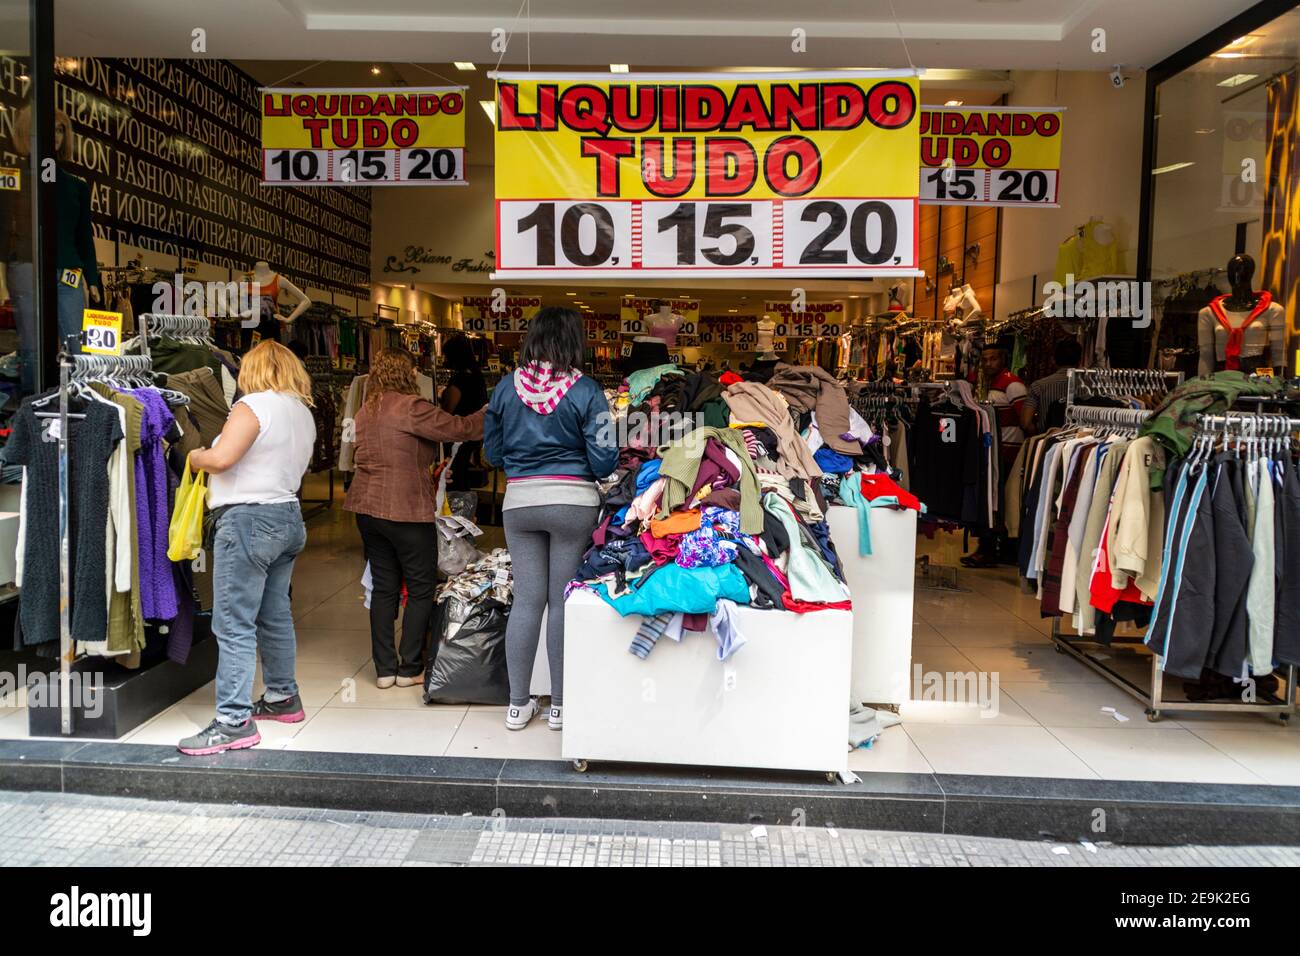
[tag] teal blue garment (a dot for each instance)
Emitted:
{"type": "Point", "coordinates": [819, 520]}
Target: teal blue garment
{"type": "Point", "coordinates": [639, 384]}
{"type": "Point", "coordinates": [811, 578]}
{"type": "Point", "coordinates": [674, 588]}
{"type": "Point", "coordinates": [851, 494]}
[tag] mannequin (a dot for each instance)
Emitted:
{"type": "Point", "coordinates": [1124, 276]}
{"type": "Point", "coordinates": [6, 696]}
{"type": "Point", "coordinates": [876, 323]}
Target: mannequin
{"type": "Point", "coordinates": [1244, 330]}
{"type": "Point", "coordinates": [664, 324]}
{"type": "Point", "coordinates": [766, 331]}
{"type": "Point", "coordinates": [270, 285]}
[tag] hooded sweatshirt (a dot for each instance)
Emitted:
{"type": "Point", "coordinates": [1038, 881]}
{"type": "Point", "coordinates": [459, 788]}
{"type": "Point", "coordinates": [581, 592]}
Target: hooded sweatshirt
{"type": "Point", "coordinates": [550, 432]}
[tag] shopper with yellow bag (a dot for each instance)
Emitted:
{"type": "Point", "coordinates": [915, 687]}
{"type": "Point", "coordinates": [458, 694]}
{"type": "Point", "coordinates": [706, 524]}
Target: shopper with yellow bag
{"type": "Point", "coordinates": [256, 467]}
{"type": "Point", "coordinates": [185, 534]}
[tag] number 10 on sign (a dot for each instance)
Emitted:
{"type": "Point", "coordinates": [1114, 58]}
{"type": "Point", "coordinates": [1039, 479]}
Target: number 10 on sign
{"type": "Point", "coordinates": [755, 238]}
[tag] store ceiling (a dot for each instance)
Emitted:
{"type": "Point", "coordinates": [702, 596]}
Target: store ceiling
{"type": "Point", "coordinates": [981, 34]}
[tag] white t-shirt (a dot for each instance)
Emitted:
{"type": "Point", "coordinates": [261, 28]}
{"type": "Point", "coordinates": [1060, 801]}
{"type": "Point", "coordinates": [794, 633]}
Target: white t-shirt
{"type": "Point", "coordinates": [271, 470]}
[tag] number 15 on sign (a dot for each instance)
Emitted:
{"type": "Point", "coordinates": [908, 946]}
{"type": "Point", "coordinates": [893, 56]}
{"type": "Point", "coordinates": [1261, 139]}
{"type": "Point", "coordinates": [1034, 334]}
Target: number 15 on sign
{"type": "Point", "coordinates": [755, 238]}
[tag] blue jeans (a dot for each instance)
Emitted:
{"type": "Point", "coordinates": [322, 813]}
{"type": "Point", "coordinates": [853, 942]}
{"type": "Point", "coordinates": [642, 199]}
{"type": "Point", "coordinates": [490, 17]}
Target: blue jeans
{"type": "Point", "coordinates": [253, 556]}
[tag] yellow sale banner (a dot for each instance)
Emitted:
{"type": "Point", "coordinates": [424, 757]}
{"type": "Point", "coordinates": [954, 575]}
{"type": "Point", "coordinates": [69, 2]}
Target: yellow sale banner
{"type": "Point", "coordinates": [485, 313]}
{"type": "Point", "coordinates": [403, 136]}
{"type": "Point", "coordinates": [758, 174]}
{"type": "Point", "coordinates": [815, 318]}
{"type": "Point", "coordinates": [991, 156]}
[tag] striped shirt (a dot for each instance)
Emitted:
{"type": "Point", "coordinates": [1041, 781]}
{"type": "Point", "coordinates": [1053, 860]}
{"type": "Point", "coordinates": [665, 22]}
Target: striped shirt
{"type": "Point", "coordinates": [1045, 391]}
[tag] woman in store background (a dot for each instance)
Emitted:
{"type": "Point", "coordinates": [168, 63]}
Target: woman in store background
{"type": "Point", "coordinates": [465, 393]}
{"type": "Point", "coordinates": [546, 426]}
{"type": "Point", "coordinates": [256, 466]}
{"type": "Point", "coordinates": [393, 495]}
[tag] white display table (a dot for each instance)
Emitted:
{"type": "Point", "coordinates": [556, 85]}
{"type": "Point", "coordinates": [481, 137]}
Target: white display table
{"type": "Point", "coordinates": [780, 702]}
{"type": "Point", "coordinates": [882, 585]}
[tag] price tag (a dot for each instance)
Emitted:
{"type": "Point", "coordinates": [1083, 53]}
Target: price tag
{"type": "Point", "coordinates": [1264, 372]}
{"type": "Point", "coordinates": [778, 345]}
{"type": "Point", "coordinates": [988, 187]}
{"type": "Point", "coordinates": [626, 350]}
{"type": "Point", "coordinates": [257, 337]}
{"type": "Point", "coordinates": [101, 332]}
{"type": "Point", "coordinates": [677, 358]}
{"type": "Point", "coordinates": [11, 178]}
{"type": "Point", "coordinates": [494, 364]}
{"type": "Point", "coordinates": [71, 277]}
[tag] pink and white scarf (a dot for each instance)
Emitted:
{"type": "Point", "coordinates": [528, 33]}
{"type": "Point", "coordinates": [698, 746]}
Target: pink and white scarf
{"type": "Point", "coordinates": [541, 387]}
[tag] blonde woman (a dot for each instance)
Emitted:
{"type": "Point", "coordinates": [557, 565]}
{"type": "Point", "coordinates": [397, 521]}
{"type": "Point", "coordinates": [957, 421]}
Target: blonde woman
{"type": "Point", "coordinates": [256, 467]}
{"type": "Point", "coordinates": [393, 498]}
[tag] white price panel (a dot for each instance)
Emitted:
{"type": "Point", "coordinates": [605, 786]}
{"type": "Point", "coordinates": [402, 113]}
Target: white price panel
{"type": "Point", "coordinates": [747, 338]}
{"type": "Point", "coordinates": [864, 235]}
{"type": "Point", "coordinates": [778, 345]}
{"type": "Point", "coordinates": [297, 166]}
{"type": "Point", "coordinates": [519, 323]}
{"type": "Point", "coordinates": [795, 330]}
{"type": "Point", "coordinates": [989, 187]}
{"type": "Point", "coordinates": [830, 328]}
{"type": "Point", "coordinates": [564, 235]}
{"type": "Point", "coordinates": [609, 335]}
{"type": "Point", "coordinates": [500, 323]}
{"type": "Point", "coordinates": [361, 167]}
{"type": "Point", "coordinates": [476, 324]}
{"type": "Point", "coordinates": [692, 235]}
{"type": "Point", "coordinates": [687, 328]}
{"type": "Point", "coordinates": [717, 337]}
{"type": "Point", "coordinates": [425, 167]}
{"type": "Point", "coordinates": [632, 326]}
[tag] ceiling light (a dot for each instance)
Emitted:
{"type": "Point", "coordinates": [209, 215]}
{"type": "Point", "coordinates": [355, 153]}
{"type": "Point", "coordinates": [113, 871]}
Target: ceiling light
{"type": "Point", "coordinates": [733, 310]}
{"type": "Point", "coordinates": [490, 108]}
{"type": "Point", "coordinates": [374, 70]}
{"type": "Point", "coordinates": [953, 103]}
{"type": "Point", "coordinates": [1229, 56]}
{"type": "Point", "coordinates": [618, 68]}
{"type": "Point", "coordinates": [1238, 78]}
{"type": "Point", "coordinates": [1205, 131]}
{"type": "Point", "coordinates": [570, 293]}
{"type": "Point", "coordinates": [1170, 168]}
{"type": "Point", "coordinates": [463, 65]}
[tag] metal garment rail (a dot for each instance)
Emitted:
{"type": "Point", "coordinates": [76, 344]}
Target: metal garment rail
{"type": "Point", "coordinates": [1153, 696]}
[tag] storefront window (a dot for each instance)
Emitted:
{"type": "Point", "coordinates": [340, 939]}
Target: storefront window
{"type": "Point", "coordinates": [18, 329]}
{"type": "Point", "coordinates": [1223, 175]}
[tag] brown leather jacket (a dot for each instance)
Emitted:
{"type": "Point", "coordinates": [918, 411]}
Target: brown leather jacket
{"type": "Point", "coordinates": [397, 441]}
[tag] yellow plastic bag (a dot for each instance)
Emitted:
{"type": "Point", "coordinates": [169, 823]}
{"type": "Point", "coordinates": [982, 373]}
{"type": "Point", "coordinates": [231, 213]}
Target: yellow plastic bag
{"type": "Point", "coordinates": [185, 533]}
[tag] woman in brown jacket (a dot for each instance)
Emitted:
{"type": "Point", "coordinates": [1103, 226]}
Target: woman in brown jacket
{"type": "Point", "coordinates": [397, 435]}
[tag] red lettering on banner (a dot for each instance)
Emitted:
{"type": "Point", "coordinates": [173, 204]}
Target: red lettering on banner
{"type": "Point", "coordinates": [776, 173]}
{"type": "Point", "coordinates": [731, 166]}
{"type": "Point", "coordinates": [607, 153]}
{"type": "Point", "coordinates": [653, 166]}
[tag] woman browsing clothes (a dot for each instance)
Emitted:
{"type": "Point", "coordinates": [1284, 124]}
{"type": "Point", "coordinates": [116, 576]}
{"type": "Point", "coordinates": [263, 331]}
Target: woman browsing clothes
{"type": "Point", "coordinates": [547, 426]}
{"type": "Point", "coordinates": [256, 464]}
{"type": "Point", "coordinates": [393, 495]}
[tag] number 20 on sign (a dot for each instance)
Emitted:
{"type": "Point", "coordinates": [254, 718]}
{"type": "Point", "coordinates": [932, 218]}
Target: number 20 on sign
{"type": "Point", "coordinates": [101, 332]}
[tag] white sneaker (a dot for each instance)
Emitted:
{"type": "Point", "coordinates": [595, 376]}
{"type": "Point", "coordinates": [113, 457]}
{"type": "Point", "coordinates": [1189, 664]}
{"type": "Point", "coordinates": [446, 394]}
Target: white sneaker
{"type": "Point", "coordinates": [555, 719]}
{"type": "Point", "coordinates": [517, 718]}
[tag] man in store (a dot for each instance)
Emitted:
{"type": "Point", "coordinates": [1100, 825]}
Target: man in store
{"type": "Point", "coordinates": [1045, 404]}
{"type": "Point", "coordinates": [1007, 394]}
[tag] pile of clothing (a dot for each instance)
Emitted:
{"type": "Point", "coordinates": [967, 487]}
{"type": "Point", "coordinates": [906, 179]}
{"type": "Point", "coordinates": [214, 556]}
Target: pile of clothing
{"type": "Point", "coordinates": [732, 513]}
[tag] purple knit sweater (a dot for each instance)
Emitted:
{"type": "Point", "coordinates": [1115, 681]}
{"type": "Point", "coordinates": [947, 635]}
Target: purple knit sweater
{"type": "Point", "coordinates": [153, 509]}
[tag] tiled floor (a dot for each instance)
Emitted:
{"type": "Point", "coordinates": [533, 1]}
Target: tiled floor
{"type": "Point", "coordinates": [1046, 713]}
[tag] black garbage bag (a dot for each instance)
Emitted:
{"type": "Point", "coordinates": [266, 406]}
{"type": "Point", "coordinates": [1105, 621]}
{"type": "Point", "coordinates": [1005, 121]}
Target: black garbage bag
{"type": "Point", "coordinates": [470, 662]}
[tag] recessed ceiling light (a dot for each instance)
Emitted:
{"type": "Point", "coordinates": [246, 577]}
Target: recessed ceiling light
{"type": "Point", "coordinates": [490, 108]}
{"type": "Point", "coordinates": [1170, 168]}
{"type": "Point", "coordinates": [1229, 56]}
{"type": "Point", "coordinates": [1205, 131]}
{"type": "Point", "coordinates": [463, 65]}
{"type": "Point", "coordinates": [1238, 78]}
{"type": "Point", "coordinates": [570, 293]}
{"type": "Point", "coordinates": [374, 70]}
{"type": "Point", "coordinates": [618, 68]}
{"type": "Point", "coordinates": [733, 310]}
{"type": "Point", "coordinates": [953, 103]}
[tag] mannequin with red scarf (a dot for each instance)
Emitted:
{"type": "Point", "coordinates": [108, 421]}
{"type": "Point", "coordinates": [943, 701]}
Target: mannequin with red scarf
{"type": "Point", "coordinates": [1244, 330]}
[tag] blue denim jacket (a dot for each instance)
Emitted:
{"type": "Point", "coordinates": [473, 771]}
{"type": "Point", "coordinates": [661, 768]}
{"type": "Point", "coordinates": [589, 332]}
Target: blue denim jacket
{"type": "Point", "coordinates": [576, 439]}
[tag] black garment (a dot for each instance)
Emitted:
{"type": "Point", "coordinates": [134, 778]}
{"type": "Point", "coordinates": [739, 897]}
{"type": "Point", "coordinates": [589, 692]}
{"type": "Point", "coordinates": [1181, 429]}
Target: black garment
{"type": "Point", "coordinates": [91, 441]}
{"type": "Point", "coordinates": [946, 447]}
{"type": "Point", "coordinates": [1286, 625]}
{"type": "Point", "coordinates": [1191, 629]}
{"type": "Point", "coordinates": [400, 551]}
{"type": "Point", "coordinates": [775, 539]}
{"type": "Point", "coordinates": [767, 589]}
{"type": "Point", "coordinates": [473, 396]}
{"type": "Point", "coordinates": [1236, 559]}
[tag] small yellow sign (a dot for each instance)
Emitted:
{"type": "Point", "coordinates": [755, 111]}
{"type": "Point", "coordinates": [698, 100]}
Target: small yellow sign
{"type": "Point", "coordinates": [11, 178]}
{"type": "Point", "coordinates": [101, 332]}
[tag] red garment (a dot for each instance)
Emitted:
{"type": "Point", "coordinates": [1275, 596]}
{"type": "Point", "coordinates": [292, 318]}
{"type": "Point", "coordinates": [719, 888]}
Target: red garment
{"type": "Point", "coordinates": [802, 607]}
{"type": "Point", "coordinates": [729, 378]}
{"type": "Point", "coordinates": [662, 550]}
{"type": "Point", "coordinates": [1232, 351]}
{"type": "Point", "coordinates": [695, 623]}
{"type": "Point", "coordinates": [1102, 589]}
{"type": "Point", "coordinates": [882, 486]}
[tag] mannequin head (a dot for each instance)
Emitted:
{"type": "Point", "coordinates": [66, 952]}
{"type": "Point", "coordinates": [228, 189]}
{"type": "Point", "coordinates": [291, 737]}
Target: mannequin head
{"type": "Point", "coordinates": [1241, 271]}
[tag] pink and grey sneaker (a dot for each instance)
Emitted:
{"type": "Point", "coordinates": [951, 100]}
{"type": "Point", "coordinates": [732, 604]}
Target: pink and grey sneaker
{"type": "Point", "coordinates": [288, 711]}
{"type": "Point", "coordinates": [218, 737]}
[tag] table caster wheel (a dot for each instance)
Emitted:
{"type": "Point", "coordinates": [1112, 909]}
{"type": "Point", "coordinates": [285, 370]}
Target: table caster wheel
{"type": "Point", "coordinates": [580, 766]}
{"type": "Point", "coordinates": [1285, 718]}
{"type": "Point", "coordinates": [1059, 648]}
{"type": "Point", "coordinates": [1153, 715]}
{"type": "Point", "coordinates": [832, 776]}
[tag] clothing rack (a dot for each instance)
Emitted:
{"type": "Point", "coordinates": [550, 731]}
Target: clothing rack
{"type": "Point", "coordinates": [1118, 382]}
{"type": "Point", "coordinates": [1125, 419]}
{"type": "Point", "coordinates": [76, 370]}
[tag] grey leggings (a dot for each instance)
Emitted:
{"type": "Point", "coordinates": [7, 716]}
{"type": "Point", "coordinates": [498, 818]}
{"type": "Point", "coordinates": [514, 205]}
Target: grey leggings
{"type": "Point", "coordinates": [546, 545]}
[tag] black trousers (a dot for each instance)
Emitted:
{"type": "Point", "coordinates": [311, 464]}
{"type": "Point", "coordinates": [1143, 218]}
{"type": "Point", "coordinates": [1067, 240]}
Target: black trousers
{"type": "Point", "coordinates": [400, 551]}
